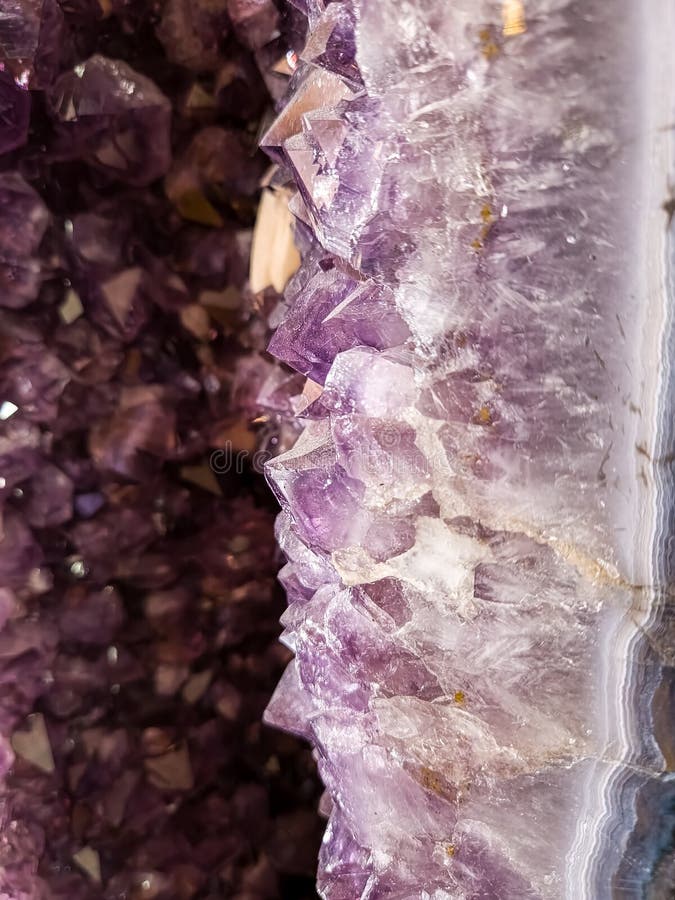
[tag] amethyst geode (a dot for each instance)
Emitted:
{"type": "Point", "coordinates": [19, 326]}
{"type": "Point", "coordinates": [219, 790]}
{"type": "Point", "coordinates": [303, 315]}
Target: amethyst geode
{"type": "Point", "coordinates": [478, 515]}
{"type": "Point", "coordinates": [138, 603]}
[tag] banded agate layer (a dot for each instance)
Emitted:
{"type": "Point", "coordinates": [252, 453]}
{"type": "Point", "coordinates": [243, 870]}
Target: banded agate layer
{"type": "Point", "coordinates": [478, 516]}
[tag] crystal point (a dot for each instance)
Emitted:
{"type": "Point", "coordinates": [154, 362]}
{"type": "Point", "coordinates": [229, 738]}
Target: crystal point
{"type": "Point", "coordinates": [477, 516]}
{"type": "Point", "coordinates": [116, 117]}
{"type": "Point", "coordinates": [33, 37]}
{"type": "Point", "coordinates": [23, 222]}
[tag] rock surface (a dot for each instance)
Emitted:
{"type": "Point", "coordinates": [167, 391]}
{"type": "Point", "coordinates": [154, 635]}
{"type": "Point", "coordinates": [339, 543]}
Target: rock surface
{"type": "Point", "coordinates": [478, 515]}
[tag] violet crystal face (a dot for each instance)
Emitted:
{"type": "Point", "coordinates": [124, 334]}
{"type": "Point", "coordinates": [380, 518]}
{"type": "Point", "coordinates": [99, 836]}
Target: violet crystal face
{"type": "Point", "coordinates": [478, 516]}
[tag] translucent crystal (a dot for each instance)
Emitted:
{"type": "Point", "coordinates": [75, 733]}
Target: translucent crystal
{"type": "Point", "coordinates": [478, 514]}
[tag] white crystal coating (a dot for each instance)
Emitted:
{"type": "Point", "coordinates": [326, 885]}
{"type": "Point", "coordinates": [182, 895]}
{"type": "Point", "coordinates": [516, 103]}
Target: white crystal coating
{"type": "Point", "coordinates": [478, 520]}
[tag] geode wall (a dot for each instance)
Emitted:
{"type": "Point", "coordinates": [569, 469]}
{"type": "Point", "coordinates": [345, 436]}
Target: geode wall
{"type": "Point", "coordinates": [138, 604]}
{"type": "Point", "coordinates": [478, 515]}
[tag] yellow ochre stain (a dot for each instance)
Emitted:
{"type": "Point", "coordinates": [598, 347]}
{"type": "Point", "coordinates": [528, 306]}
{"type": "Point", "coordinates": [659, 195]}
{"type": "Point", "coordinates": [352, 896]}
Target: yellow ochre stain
{"type": "Point", "coordinates": [513, 18]}
{"type": "Point", "coordinates": [431, 781]}
{"type": "Point", "coordinates": [487, 219]}
{"type": "Point", "coordinates": [484, 416]}
{"type": "Point", "coordinates": [489, 48]}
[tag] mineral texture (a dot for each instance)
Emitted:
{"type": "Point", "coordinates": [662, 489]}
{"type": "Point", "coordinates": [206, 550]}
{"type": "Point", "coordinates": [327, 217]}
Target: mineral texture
{"type": "Point", "coordinates": [138, 603]}
{"type": "Point", "coordinates": [478, 516]}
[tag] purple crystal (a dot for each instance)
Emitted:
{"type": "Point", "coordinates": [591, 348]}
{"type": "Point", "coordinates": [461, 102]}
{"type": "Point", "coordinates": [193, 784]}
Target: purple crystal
{"type": "Point", "coordinates": [33, 40]}
{"type": "Point", "coordinates": [191, 33]}
{"type": "Point", "coordinates": [115, 118]}
{"type": "Point", "coordinates": [23, 221]}
{"type": "Point", "coordinates": [477, 515]}
{"type": "Point", "coordinates": [14, 113]}
{"type": "Point", "coordinates": [256, 22]}
{"type": "Point", "coordinates": [138, 607]}
{"type": "Point", "coordinates": [218, 163]}
{"type": "Point", "coordinates": [330, 310]}
{"type": "Point", "coordinates": [49, 501]}
{"type": "Point", "coordinates": [332, 43]}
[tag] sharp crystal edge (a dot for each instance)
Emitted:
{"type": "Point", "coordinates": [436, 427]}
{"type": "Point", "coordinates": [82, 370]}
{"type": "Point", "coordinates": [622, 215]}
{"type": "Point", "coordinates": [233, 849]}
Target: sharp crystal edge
{"type": "Point", "coordinates": [478, 516]}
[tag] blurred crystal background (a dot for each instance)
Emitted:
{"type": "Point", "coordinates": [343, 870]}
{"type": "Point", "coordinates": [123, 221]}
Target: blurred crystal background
{"type": "Point", "coordinates": [139, 607]}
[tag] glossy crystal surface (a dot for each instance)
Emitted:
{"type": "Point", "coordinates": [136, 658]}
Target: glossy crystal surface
{"type": "Point", "coordinates": [478, 515]}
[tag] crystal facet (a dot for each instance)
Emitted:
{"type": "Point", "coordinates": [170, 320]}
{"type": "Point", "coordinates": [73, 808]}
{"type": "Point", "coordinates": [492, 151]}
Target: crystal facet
{"type": "Point", "coordinates": [23, 222]}
{"type": "Point", "coordinates": [478, 515]}
{"type": "Point", "coordinates": [14, 113]}
{"type": "Point", "coordinates": [116, 118]}
{"type": "Point", "coordinates": [138, 604]}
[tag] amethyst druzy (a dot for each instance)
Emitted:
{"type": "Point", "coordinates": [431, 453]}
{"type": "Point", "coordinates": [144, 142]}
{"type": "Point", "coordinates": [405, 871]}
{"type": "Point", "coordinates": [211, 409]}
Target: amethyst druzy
{"type": "Point", "coordinates": [478, 515]}
{"type": "Point", "coordinates": [138, 602]}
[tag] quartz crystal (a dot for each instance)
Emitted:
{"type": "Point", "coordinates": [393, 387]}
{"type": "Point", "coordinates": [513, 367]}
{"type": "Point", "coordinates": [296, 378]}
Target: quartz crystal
{"type": "Point", "coordinates": [23, 222]}
{"type": "Point", "coordinates": [14, 113]}
{"type": "Point", "coordinates": [191, 32]}
{"type": "Point", "coordinates": [478, 514]}
{"type": "Point", "coordinates": [138, 603]}
{"type": "Point", "coordinates": [33, 40]}
{"type": "Point", "coordinates": [115, 118]}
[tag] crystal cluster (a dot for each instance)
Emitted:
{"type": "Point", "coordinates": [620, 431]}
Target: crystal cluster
{"type": "Point", "coordinates": [478, 514]}
{"type": "Point", "coordinates": [138, 604]}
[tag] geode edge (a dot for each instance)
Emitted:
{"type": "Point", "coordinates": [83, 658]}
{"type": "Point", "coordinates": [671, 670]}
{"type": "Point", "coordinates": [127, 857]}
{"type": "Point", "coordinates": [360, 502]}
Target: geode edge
{"type": "Point", "coordinates": [478, 515]}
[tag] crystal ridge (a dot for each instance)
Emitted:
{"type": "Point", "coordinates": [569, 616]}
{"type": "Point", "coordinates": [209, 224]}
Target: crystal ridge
{"type": "Point", "coordinates": [478, 515]}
